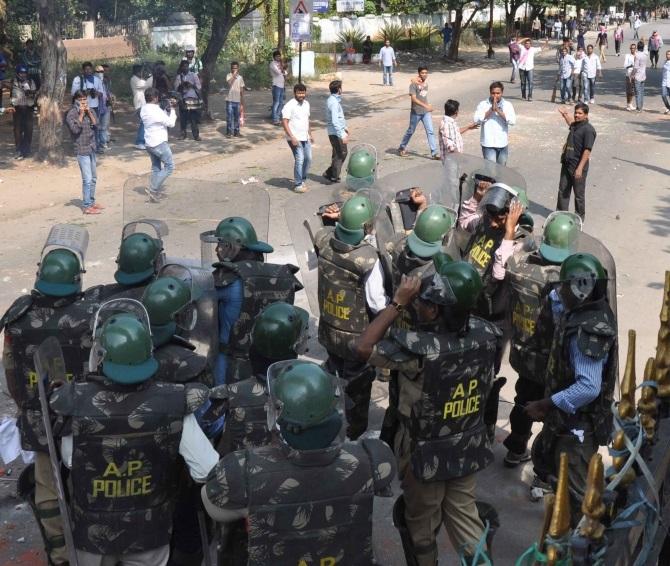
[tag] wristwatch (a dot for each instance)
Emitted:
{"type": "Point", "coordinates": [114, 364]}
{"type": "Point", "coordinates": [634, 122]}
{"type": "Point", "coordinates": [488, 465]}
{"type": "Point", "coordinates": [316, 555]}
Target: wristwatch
{"type": "Point", "coordinates": [397, 306]}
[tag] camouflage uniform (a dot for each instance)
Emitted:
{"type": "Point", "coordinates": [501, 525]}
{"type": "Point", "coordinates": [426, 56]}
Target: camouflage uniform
{"type": "Point", "coordinates": [445, 380]}
{"type": "Point", "coordinates": [29, 321]}
{"type": "Point", "coordinates": [263, 284]}
{"type": "Point", "coordinates": [530, 280]}
{"type": "Point", "coordinates": [118, 291]}
{"type": "Point", "coordinates": [344, 315]}
{"type": "Point", "coordinates": [403, 262]}
{"type": "Point", "coordinates": [594, 325]}
{"type": "Point", "coordinates": [305, 507]}
{"type": "Point", "coordinates": [125, 448]}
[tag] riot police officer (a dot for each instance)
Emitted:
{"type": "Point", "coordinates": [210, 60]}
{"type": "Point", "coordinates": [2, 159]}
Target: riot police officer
{"type": "Point", "coordinates": [308, 467]}
{"type": "Point", "coordinates": [580, 375]}
{"type": "Point", "coordinates": [245, 284]}
{"type": "Point", "coordinates": [351, 291]}
{"type": "Point", "coordinates": [362, 167]}
{"type": "Point", "coordinates": [55, 307]}
{"type": "Point", "coordinates": [495, 236]}
{"type": "Point", "coordinates": [446, 372]}
{"type": "Point", "coordinates": [139, 259]}
{"type": "Point", "coordinates": [531, 277]}
{"type": "Point", "coordinates": [128, 432]}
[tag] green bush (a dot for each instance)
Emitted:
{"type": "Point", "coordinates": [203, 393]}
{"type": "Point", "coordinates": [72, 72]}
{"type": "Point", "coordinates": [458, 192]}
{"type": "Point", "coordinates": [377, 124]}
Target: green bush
{"type": "Point", "coordinates": [353, 35]}
{"type": "Point", "coordinates": [323, 64]}
{"type": "Point", "coordinates": [393, 32]}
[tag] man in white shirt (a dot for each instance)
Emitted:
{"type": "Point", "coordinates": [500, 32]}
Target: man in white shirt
{"type": "Point", "coordinates": [90, 84]}
{"type": "Point", "coordinates": [527, 65]}
{"type": "Point", "coordinates": [387, 62]}
{"type": "Point", "coordinates": [234, 100]}
{"type": "Point", "coordinates": [628, 62]}
{"type": "Point", "coordinates": [138, 84]}
{"type": "Point", "coordinates": [156, 123]}
{"type": "Point", "coordinates": [636, 27]}
{"type": "Point", "coordinates": [665, 83]}
{"type": "Point", "coordinates": [295, 119]}
{"type": "Point", "coordinates": [593, 68]}
{"type": "Point", "coordinates": [278, 74]}
{"type": "Point", "coordinates": [495, 115]}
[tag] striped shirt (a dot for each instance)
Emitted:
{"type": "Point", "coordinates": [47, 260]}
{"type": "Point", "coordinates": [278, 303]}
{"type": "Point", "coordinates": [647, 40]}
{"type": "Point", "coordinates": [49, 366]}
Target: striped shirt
{"type": "Point", "coordinates": [451, 140]}
{"type": "Point", "coordinates": [588, 371]}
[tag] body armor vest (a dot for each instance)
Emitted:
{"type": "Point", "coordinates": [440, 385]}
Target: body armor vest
{"type": "Point", "coordinates": [28, 322]}
{"type": "Point", "coordinates": [263, 284]}
{"type": "Point", "coordinates": [124, 465]}
{"type": "Point", "coordinates": [405, 263]}
{"type": "Point", "coordinates": [180, 364]}
{"type": "Point", "coordinates": [446, 424]}
{"type": "Point", "coordinates": [314, 507]}
{"type": "Point", "coordinates": [530, 280]}
{"type": "Point", "coordinates": [246, 422]}
{"type": "Point", "coordinates": [342, 301]}
{"type": "Point", "coordinates": [595, 327]}
{"type": "Point", "coordinates": [118, 291]}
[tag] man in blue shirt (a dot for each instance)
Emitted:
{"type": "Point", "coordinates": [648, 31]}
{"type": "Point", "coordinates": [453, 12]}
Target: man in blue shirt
{"type": "Point", "coordinates": [581, 374]}
{"type": "Point", "coordinates": [337, 131]}
{"type": "Point", "coordinates": [446, 37]}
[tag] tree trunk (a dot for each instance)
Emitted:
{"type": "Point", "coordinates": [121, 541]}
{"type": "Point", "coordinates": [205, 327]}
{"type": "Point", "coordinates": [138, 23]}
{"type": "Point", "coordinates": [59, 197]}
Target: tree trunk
{"type": "Point", "coordinates": [456, 33]}
{"type": "Point", "coordinates": [54, 75]}
{"type": "Point", "coordinates": [281, 25]}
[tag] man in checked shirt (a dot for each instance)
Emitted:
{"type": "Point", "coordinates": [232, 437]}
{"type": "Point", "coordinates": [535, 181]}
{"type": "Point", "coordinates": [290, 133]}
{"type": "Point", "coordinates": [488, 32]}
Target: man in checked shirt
{"type": "Point", "coordinates": [580, 376]}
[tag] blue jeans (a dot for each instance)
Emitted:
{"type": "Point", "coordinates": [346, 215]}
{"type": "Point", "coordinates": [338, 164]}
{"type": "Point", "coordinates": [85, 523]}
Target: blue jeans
{"type": "Point", "coordinates": [103, 128]}
{"type": "Point", "coordinates": [388, 75]}
{"type": "Point", "coordinates": [277, 102]}
{"type": "Point", "coordinates": [566, 89]}
{"type": "Point", "coordinates": [427, 120]}
{"type": "Point", "coordinates": [302, 153]}
{"type": "Point", "coordinates": [232, 117]}
{"type": "Point", "coordinates": [139, 138]}
{"type": "Point", "coordinates": [89, 177]}
{"type": "Point", "coordinates": [638, 87]}
{"type": "Point", "coordinates": [589, 89]}
{"type": "Point", "coordinates": [526, 77]}
{"type": "Point", "coordinates": [162, 165]}
{"type": "Point", "coordinates": [515, 69]}
{"type": "Point", "coordinates": [665, 95]}
{"type": "Point", "coordinates": [496, 154]}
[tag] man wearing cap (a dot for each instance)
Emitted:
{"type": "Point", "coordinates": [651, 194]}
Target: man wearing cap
{"type": "Point", "coordinates": [531, 276]}
{"type": "Point", "coordinates": [24, 95]}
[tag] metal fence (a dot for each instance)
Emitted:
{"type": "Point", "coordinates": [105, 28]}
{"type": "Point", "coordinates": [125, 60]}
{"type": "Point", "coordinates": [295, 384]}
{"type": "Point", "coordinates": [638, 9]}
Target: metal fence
{"type": "Point", "coordinates": [111, 29]}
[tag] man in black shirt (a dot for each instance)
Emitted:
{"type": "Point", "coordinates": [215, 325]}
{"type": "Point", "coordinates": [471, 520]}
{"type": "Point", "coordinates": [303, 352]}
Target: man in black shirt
{"type": "Point", "coordinates": [575, 159]}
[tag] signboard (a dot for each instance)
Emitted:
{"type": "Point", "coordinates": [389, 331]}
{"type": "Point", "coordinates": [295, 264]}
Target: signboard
{"type": "Point", "coordinates": [301, 11]}
{"type": "Point", "coordinates": [320, 6]}
{"type": "Point", "coordinates": [351, 5]}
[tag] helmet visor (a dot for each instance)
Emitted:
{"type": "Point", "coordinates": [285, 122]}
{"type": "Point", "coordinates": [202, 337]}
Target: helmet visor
{"type": "Point", "coordinates": [438, 291]}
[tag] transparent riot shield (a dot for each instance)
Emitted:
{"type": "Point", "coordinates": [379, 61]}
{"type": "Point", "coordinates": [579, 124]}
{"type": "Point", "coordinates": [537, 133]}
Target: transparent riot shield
{"type": "Point", "coordinates": [590, 244]}
{"type": "Point", "coordinates": [106, 311]}
{"type": "Point", "coordinates": [324, 394]}
{"type": "Point", "coordinates": [191, 207]}
{"type": "Point", "coordinates": [203, 331]}
{"type": "Point", "coordinates": [305, 215]}
{"type": "Point", "coordinates": [67, 236]}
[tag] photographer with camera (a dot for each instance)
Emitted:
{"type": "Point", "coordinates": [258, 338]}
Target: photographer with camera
{"type": "Point", "coordinates": [91, 85]}
{"type": "Point", "coordinates": [156, 123]}
{"type": "Point", "coordinates": [187, 84]}
{"type": "Point", "coordinates": [82, 122]}
{"type": "Point", "coordinates": [24, 94]}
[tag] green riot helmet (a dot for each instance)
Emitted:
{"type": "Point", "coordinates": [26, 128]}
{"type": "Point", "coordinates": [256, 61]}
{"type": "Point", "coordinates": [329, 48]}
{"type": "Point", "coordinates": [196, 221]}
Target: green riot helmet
{"type": "Point", "coordinates": [169, 304]}
{"type": "Point", "coordinates": [236, 233]}
{"type": "Point", "coordinates": [305, 404]}
{"type": "Point", "coordinates": [429, 230]}
{"type": "Point", "coordinates": [280, 331]}
{"type": "Point", "coordinates": [457, 284]}
{"type": "Point", "coordinates": [440, 259]}
{"type": "Point", "coordinates": [126, 350]}
{"type": "Point", "coordinates": [355, 214]}
{"type": "Point", "coordinates": [582, 276]}
{"type": "Point", "coordinates": [362, 167]}
{"type": "Point", "coordinates": [59, 274]}
{"type": "Point", "coordinates": [138, 258]}
{"type": "Point", "coordinates": [560, 236]}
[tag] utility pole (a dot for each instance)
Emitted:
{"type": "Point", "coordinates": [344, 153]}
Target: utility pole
{"type": "Point", "coordinates": [490, 53]}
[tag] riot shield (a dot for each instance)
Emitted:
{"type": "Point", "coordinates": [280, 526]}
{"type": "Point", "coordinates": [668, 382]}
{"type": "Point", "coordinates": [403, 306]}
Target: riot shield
{"type": "Point", "coordinates": [276, 408]}
{"type": "Point", "coordinates": [591, 245]}
{"type": "Point", "coordinates": [191, 207]}
{"type": "Point", "coordinates": [50, 368]}
{"type": "Point", "coordinates": [304, 216]}
{"type": "Point", "coordinates": [67, 236]}
{"type": "Point", "coordinates": [470, 169]}
{"type": "Point", "coordinates": [203, 334]}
